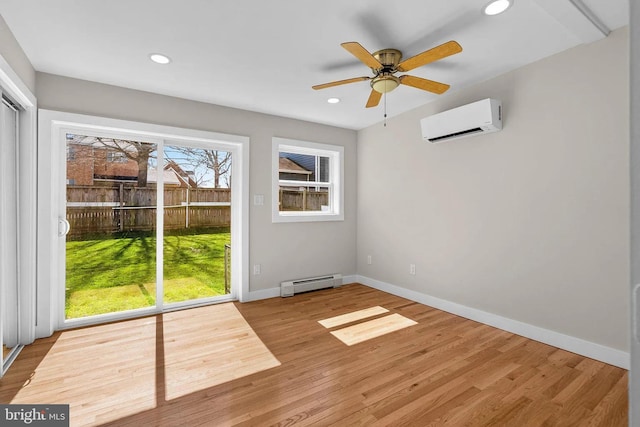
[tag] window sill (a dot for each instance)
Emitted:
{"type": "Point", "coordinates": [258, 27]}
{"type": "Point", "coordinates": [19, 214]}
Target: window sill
{"type": "Point", "coordinates": [280, 217]}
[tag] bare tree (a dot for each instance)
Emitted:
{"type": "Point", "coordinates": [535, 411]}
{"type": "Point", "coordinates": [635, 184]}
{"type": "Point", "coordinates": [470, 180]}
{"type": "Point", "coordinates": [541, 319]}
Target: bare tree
{"type": "Point", "coordinates": [219, 162]}
{"type": "Point", "coordinates": [140, 152]}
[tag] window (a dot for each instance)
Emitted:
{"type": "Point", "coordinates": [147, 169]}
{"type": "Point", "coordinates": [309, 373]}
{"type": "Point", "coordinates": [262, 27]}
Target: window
{"type": "Point", "coordinates": [116, 157]}
{"type": "Point", "coordinates": [307, 181]}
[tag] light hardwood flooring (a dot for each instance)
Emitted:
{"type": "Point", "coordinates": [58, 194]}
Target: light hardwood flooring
{"type": "Point", "coordinates": [272, 362]}
{"type": "Point", "coordinates": [5, 351]}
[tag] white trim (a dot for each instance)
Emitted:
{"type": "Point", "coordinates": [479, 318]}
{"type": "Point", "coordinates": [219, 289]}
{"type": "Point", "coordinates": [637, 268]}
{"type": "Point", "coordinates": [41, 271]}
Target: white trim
{"type": "Point", "coordinates": [160, 229]}
{"type": "Point", "coordinates": [350, 279]}
{"type": "Point", "coordinates": [336, 155]}
{"type": "Point", "coordinates": [142, 312]}
{"type": "Point", "coordinates": [240, 235]}
{"type": "Point", "coordinates": [263, 294]}
{"type": "Point", "coordinates": [15, 88]}
{"type": "Point", "coordinates": [566, 342]}
{"type": "Point", "coordinates": [54, 125]}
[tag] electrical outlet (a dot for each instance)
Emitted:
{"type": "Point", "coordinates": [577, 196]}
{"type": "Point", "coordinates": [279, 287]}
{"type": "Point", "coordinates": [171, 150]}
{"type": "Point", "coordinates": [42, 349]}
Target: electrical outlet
{"type": "Point", "coordinates": [258, 199]}
{"type": "Point", "coordinates": [369, 259]}
{"type": "Point", "coordinates": [412, 269]}
{"type": "Point", "coordinates": [256, 269]}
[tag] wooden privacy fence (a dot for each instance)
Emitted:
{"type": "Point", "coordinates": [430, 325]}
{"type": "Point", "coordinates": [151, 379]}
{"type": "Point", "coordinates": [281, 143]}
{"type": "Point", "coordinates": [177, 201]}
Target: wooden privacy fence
{"type": "Point", "coordinates": [144, 196]}
{"type": "Point", "coordinates": [97, 210]}
{"type": "Point", "coordinates": [302, 200]}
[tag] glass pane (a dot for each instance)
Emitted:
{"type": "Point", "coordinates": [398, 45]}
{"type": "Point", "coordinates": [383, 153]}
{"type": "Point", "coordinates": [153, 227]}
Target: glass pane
{"type": "Point", "coordinates": [304, 198]}
{"type": "Point", "coordinates": [303, 167]}
{"type": "Point", "coordinates": [111, 209]}
{"type": "Point", "coordinates": [197, 223]}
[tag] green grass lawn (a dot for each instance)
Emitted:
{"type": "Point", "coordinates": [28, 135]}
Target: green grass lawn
{"type": "Point", "coordinates": [111, 274]}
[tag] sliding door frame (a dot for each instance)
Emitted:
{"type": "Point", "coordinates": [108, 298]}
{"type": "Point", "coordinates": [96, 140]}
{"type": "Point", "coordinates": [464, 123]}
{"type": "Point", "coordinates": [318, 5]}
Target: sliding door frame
{"type": "Point", "coordinates": [53, 127]}
{"type": "Point", "coordinates": [26, 177]}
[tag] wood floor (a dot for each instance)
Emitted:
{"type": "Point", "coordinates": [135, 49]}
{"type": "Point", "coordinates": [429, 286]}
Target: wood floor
{"type": "Point", "coordinates": [271, 362]}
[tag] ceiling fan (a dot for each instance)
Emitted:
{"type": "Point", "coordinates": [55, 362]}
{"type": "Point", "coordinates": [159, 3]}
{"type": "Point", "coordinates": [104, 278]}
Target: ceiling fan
{"type": "Point", "coordinates": [386, 63]}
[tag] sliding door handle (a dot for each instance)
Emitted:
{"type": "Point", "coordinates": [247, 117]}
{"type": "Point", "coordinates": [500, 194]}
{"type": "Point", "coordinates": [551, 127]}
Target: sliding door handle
{"type": "Point", "coordinates": [63, 227]}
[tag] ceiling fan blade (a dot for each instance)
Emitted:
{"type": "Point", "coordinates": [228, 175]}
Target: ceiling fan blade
{"type": "Point", "coordinates": [374, 98]}
{"type": "Point", "coordinates": [340, 82]}
{"type": "Point", "coordinates": [431, 55]}
{"type": "Point", "coordinates": [362, 54]}
{"type": "Point", "coordinates": [424, 84]}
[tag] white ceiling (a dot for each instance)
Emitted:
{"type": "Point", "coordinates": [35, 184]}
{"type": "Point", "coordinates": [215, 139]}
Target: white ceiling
{"type": "Point", "coordinates": [265, 55]}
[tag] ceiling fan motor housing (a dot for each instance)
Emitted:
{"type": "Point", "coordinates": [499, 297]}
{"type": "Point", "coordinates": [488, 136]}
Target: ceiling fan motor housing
{"type": "Point", "coordinates": [385, 81]}
{"type": "Point", "coordinates": [390, 58]}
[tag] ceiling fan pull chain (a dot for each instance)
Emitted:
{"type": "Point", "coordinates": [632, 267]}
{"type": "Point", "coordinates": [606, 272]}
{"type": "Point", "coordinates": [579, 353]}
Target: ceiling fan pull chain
{"type": "Point", "coordinates": [385, 110]}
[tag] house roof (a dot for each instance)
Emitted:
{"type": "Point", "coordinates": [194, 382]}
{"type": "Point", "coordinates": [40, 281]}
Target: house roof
{"type": "Point", "coordinates": [289, 166]}
{"type": "Point", "coordinates": [170, 177]}
{"type": "Point", "coordinates": [282, 49]}
{"type": "Point", "coordinates": [183, 175]}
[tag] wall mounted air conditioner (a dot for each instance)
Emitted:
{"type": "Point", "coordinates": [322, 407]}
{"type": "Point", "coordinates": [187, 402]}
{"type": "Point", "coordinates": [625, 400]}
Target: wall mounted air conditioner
{"type": "Point", "coordinates": [479, 117]}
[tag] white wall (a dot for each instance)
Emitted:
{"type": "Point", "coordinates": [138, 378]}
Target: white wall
{"type": "Point", "coordinates": [531, 223]}
{"type": "Point", "coordinates": [285, 251]}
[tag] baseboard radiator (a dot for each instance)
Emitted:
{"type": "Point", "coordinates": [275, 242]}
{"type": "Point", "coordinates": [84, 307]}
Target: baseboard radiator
{"type": "Point", "coordinates": [292, 287]}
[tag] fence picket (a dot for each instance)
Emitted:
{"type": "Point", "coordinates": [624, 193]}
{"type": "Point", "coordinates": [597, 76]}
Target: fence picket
{"type": "Point", "coordinates": [133, 208]}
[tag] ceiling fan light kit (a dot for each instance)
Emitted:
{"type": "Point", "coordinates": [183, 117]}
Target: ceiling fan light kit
{"type": "Point", "coordinates": [384, 84]}
{"type": "Point", "coordinates": [386, 63]}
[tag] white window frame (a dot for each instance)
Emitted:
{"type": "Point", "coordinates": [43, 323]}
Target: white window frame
{"type": "Point", "coordinates": [335, 153]}
{"type": "Point", "coordinates": [53, 127]}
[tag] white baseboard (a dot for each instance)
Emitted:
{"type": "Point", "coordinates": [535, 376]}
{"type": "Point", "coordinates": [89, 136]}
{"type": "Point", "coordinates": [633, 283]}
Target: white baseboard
{"type": "Point", "coordinates": [350, 279]}
{"type": "Point", "coordinates": [585, 348]}
{"type": "Point", "coordinates": [263, 294]}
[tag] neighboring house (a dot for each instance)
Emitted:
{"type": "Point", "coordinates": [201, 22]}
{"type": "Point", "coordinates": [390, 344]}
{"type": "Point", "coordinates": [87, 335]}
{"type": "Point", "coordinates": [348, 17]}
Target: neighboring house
{"type": "Point", "coordinates": [290, 170]}
{"type": "Point", "coordinates": [317, 166]}
{"type": "Point", "coordinates": [186, 178]}
{"type": "Point", "coordinates": [96, 163]}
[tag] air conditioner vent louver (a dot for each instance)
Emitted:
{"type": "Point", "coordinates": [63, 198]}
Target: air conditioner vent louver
{"type": "Point", "coordinates": [451, 135]}
{"type": "Point", "coordinates": [292, 287]}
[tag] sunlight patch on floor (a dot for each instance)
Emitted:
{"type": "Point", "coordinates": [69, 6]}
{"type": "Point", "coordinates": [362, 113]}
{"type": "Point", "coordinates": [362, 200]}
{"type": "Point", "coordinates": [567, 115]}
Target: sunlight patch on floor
{"type": "Point", "coordinates": [220, 346]}
{"type": "Point", "coordinates": [373, 328]}
{"type": "Point", "coordinates": [108, 389]}
{"type": "Point", "coordinates": [343, 319]}
{"type": "Point", "coordinates": [167, 357]}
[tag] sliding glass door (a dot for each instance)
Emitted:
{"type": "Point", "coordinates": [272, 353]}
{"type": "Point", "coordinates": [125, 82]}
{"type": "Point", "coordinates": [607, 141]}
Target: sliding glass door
{"type": "Point", "coordinates": [147, 225]}
{"type": "Point", "coordinates": [197, 223]}
{"type": "Point", "coordinates": [110, 225]}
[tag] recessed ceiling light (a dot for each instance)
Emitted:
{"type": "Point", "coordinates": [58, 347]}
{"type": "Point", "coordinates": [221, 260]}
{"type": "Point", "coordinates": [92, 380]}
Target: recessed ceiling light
{"type": "Point", "coordinates": [333, 100]}
{"type": "Point", "coordinates": [159, 58]}
{"type": "Point", "coordinates": [497, 6]}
